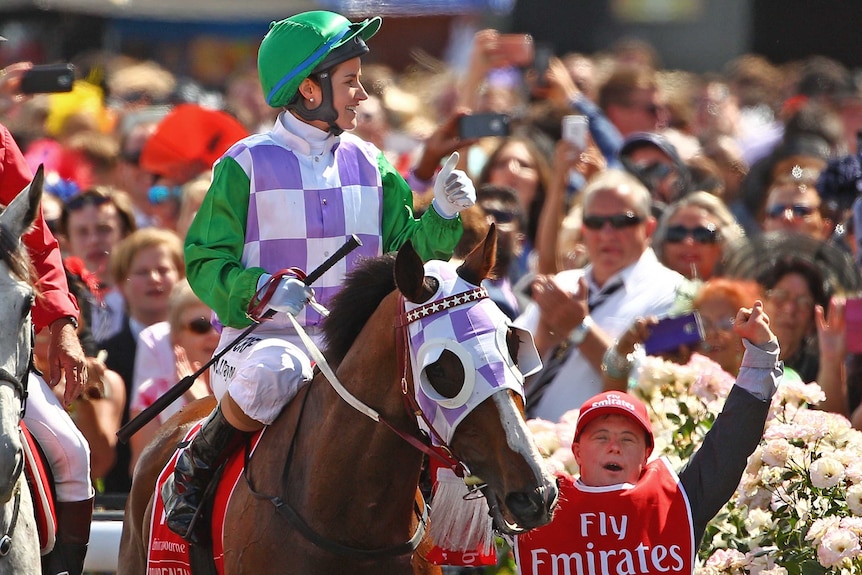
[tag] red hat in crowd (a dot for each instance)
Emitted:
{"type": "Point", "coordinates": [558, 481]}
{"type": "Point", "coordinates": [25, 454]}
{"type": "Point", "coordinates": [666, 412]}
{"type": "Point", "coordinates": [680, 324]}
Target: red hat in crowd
{"type": "Point", "coordinates": [618, 403]}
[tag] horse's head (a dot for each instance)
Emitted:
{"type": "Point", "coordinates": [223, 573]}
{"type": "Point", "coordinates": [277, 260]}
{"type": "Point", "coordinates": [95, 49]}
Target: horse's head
{"type": "Point", "coordinates": [16, 299]}
{"type": "Point", "coordinates": [469, 364]}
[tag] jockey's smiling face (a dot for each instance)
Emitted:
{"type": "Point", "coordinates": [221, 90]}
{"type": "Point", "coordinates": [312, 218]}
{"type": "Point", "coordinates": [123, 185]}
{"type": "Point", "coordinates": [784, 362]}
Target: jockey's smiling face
{"type": "Point", "coordinates": [612, 449]}
{"type": "Point", "coordinates": [347, 93]}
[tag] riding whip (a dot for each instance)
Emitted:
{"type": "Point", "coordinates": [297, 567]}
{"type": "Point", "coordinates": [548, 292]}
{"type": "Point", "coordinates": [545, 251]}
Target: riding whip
{"type": "Point", "coordinates": [179, 388]}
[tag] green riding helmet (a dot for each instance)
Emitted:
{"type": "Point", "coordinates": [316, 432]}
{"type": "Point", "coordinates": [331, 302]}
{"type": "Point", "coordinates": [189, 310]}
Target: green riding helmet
{"type": "Point", "coordinates": [306, 44]}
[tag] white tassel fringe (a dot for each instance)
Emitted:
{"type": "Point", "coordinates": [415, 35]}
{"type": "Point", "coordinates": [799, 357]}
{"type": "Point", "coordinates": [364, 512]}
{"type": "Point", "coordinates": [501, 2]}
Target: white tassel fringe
{"type": "Point", "coordinates": [457, 524]}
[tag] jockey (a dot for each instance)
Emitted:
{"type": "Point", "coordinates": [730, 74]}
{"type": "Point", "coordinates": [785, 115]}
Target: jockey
{"type": "Point", "coordinates": [291, 197]}
{"type": "Point", "coordinates": [55, 309]}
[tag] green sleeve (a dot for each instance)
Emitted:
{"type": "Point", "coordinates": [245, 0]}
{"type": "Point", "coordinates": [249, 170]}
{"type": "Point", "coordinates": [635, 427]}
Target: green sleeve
{"type": "Point", "coordinates": [214, 246]}
{"type": "Point", "coordinates": [433, 236]}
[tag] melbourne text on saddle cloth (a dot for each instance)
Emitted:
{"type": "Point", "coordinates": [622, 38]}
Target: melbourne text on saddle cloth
{"type": "Point", "coordinates": [476, 333]}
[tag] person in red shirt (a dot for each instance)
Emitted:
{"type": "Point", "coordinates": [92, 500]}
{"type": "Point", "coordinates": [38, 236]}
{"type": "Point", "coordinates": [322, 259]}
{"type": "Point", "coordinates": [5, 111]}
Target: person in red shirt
{"type": "Point", "coordinates": [626, 513]}
{"type": "Point", "coordinates": [55, 309]}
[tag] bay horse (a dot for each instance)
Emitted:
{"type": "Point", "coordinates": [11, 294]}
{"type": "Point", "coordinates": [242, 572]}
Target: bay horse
{"type": "Point", "coordinates": [352, 482]}
{"type": "Point", "coordinates": [19, 539]}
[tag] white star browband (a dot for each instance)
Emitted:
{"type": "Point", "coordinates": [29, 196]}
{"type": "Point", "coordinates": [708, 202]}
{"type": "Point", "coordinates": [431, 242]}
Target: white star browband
{"type": "Point", "coordinates": [451, 301]}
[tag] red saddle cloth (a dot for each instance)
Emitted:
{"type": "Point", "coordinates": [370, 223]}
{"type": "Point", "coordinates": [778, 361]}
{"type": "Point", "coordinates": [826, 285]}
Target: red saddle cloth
{"type": "Point", "coordinates": [167, 551]}
{"type": "Point", "coordinates": [38, 476]}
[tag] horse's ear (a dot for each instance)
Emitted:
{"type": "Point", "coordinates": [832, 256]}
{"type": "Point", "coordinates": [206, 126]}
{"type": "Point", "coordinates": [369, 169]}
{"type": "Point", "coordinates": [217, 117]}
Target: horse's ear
{"type": "Point", "coordinates": [480, 261]}
{"type": "Point", "coordinates": [21, 212]}
{"type": "Point", "coordinates": [410, 275]}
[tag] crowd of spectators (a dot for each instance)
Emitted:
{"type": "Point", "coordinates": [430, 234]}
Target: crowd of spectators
{"type": "Point", "coordinates": [684, 178]}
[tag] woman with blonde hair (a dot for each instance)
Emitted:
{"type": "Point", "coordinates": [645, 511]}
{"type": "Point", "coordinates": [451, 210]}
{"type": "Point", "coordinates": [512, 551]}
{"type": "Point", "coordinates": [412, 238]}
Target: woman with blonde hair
{"type": "Point", "coordinates": [145, 267]}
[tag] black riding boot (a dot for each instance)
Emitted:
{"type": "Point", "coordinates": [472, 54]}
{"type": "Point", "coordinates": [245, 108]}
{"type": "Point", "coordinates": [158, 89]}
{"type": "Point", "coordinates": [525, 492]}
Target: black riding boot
{"type": "Point", "coordinates": [73, 534]}
{"type": "Point", "coordinates": [183, 492]}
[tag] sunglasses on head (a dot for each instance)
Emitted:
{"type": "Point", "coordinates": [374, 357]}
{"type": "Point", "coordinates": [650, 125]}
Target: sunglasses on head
{"type": "Point", "coordinates": [617, 221]}
{"type": "Point", "coordinates": [799, 210]}
{"type": "Point", "coordinates": [200, 326]}
{"type": "Point", "coordinates": [80, 200]}
{"type": "Point", "coordinates": [701, 234]}
{"type": "Point", "coordinates": [161, 194]}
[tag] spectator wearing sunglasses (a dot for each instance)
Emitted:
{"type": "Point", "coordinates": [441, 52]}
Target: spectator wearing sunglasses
{"type": "Point", "coordinates": [577, 314]}
{"type": "Point", "coordinates": [654, 160]}
{"type": "Point", "coordinates": [632, 101]}
{"type": "Point", "coordinates": [193, 341]}
{"type": "Point", "coordinates": [793, 206]}
{"type": "Point", "coordinates": [694, 234]}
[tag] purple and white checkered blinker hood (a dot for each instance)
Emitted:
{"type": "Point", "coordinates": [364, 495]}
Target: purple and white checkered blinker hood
{"type": "Point", "coordinates": [474, 329]}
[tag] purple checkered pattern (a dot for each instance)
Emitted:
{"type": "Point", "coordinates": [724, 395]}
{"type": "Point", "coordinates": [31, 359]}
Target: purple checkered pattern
{"type": "Point", "coordinates": [476, 328]}
{"type": "Point", "coordinates": [302, 208]}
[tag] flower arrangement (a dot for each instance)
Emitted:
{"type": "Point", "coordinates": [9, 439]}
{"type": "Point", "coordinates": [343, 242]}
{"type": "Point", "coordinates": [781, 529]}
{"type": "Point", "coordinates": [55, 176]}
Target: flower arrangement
{"type": "Point", "coordinates": [798, 508]}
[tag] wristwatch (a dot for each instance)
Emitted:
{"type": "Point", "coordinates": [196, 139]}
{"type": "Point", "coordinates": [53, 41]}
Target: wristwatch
{"type": "Point", "coordinates": [615, 365]}
{"type": "Point", "coordinates": [580, 333]}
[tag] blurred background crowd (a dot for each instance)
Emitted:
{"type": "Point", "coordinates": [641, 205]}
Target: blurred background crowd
{"type": "Point", "coordinates": [751, 164]}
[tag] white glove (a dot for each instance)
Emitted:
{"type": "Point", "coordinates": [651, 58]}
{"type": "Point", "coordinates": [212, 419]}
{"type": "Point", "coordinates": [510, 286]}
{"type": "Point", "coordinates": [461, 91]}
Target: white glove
{"type": "Point", "coordinates": [453, 190]}
{"type": "Point", "coordinates": [290, 296]}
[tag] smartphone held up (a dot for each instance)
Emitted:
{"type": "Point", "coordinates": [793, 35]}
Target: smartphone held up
{"type": "Point", "coordinates": [482, 125]}
{"type": "Point", "coordinates": [670, 333]}
{"type": "Point", "coordinates": [515, 49]}
{"type": "Point", "coordinates": [853, 321]}
{"type": "Point", "coordinates": [574, 130]}
{"type": "Point", "coordinates": [48, 79]}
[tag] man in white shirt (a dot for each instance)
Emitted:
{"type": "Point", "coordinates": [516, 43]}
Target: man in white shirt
{"type": "Point", "coordinates": [586, 309]}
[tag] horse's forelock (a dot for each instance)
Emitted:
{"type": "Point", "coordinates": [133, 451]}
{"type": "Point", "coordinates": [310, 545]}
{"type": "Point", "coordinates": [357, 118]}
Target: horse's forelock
{"type": "Point", "coordinates": [364, 288]}
{"type": "Point", "coordinates": [14, 256]}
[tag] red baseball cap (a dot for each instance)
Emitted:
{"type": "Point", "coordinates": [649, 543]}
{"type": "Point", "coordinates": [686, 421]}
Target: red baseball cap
{"type": "Point", "coordinates": [614, 402]}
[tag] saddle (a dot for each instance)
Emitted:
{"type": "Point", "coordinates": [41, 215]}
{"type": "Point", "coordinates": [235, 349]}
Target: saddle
{"type": "Point", "coordinates": [41, 483]}
{"type": "Point", "coordinates": [167, 552]}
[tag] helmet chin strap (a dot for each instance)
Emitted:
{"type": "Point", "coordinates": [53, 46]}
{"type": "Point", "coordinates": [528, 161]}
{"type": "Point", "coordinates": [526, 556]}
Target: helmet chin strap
{"type": "Point", "coordinates": [325, 111]}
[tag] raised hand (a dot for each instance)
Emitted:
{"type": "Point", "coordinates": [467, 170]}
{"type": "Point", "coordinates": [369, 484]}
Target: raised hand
{"type": "Point", "coordinates": [753, 324]}
{"type": "Point", "coordinates": [453, 189]}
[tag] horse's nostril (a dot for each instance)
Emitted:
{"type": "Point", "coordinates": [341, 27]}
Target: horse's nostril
{"type": "Point", "coordinates": [528, 507]}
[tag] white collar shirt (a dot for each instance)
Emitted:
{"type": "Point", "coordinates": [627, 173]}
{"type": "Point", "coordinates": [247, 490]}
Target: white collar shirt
{"type": "Point", "coordinates": [648, 288]}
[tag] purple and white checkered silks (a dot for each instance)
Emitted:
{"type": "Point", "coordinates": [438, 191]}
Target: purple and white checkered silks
{"type": "Point", "coordinates": [476, 333]}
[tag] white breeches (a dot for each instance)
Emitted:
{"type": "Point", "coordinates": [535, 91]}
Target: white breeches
{"type": "Point", "coordinates": [261, 373]}
{"type": "Point", "coordinates": [66, 449]}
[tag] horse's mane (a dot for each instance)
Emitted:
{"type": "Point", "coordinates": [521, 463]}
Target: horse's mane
{"type": "Point", "coordinates": [14, 256]}
{"type": "Point", "coordinates": [364, 288]}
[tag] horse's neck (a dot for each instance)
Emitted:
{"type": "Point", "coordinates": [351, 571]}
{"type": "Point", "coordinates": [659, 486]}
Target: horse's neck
{"type": "Point", "coordinates": [343, 447]}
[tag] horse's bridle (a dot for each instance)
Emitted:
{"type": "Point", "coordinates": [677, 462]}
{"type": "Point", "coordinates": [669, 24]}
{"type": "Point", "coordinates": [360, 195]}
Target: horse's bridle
{"type": "Point", "coordinates": [20, 389]}
{"type": "Point", "coordinates": [442, 453]}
